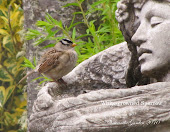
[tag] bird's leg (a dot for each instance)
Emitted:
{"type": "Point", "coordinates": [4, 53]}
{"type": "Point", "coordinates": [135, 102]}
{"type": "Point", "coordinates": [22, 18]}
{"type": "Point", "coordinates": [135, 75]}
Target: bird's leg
{"type": "Point", "coordinates": [62, 81]}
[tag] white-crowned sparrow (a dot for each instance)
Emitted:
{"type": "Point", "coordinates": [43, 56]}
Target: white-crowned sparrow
{"type": "Point", "coordinates": [58, 61]}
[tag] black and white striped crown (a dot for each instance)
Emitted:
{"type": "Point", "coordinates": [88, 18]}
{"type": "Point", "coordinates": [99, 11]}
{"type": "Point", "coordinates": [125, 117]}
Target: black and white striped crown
{"type": "Point", "coordinates": [66, 41]}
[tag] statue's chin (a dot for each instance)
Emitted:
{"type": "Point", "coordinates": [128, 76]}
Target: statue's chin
{"type": "Point", "coordinates": [154, 70]}
{"type": "Point", "coordinates": [146, 70]}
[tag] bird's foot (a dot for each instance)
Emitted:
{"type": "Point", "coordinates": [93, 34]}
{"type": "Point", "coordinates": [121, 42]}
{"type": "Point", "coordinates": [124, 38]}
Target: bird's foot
{"type": "Point", "coordinates": [61, 81]}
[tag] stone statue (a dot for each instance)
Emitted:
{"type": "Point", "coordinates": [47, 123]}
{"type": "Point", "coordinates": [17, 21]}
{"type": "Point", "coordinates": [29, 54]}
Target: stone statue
{"type": "Point", "coordinates": [113, 91]}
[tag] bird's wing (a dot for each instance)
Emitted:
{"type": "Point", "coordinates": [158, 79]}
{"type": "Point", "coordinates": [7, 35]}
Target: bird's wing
{"type": "Point", "coordinates": [49, 60]}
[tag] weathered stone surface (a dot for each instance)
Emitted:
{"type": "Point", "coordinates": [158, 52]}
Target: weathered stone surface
{"type": "Point", "coordinates": [101, 70]}
{"type": "Point", "coordinates": [108, 110]}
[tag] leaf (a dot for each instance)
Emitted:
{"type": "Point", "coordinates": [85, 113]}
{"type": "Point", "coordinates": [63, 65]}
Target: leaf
{"type": "Point", "coordinates": [81, 1]}
{"type": "Point", "coordinates": [42, 23]}
{"type": "Point", "coordinates": [39, 41]}
{"type": "Point", "coordinates": [74, 34]}
{"type": "Point", "coordinates": [71, 4]}
{"type": "Point", "coordinates": [97, 3]}
{"type": "Point", "coordinates": [37, 78]}
{"type": "Point", "coordinates": [11, 2]}
{"type": "Point", "coordinates": [2, 96]}
{"type": "Point", "coordinates": [21, 20]}
{"type": "Point", "coordinates": [75, 13]}
{"type": "Point", "coordinates": [53, 21]}
{"type": "Point", "coordinates": [7, 44]}
{"type": "Point", "coordinates": [4, 11]}
{"type": "Point", "coordinates": [51, 34]}
{"type": "Point", "coordinates": [8, 118]}
{"type": "Point", "coordinates": [3, 32]}
{"type": "Point", "coordinates": [4, 76]}
{"type": "Point", "coordinates": [14, 18]}
{"type": "Point", "coordinates": [45, 80]}
{"type": "Point", "coordinates": [8, 92]}
{"type": "Point", "coordinates": [27, 63]}
{"type": "Point", "coordinates": [88, 31]}
{"type": "Point", "coordinates": [48, 19]}
{"type": "Point", "coordinates": [11, 65]}
{"type": "Point", "coordinates": [103, 29]}
{"type": "Point", "coordinates": [5, 94]}
{"type": "Point", "coordinates": [4, 18]}
{"type": "Point", "coordinates": [73, 25]}
{"type": "Point", "coordinates": [32, 33]}
{"type": "Point", "coordinates": [84, 35]}
{"type": "Point", "coordinates": [48, 46]}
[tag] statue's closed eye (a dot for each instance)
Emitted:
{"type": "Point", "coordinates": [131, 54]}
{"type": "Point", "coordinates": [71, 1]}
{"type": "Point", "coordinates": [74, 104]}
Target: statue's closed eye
{"type": "Point", "coordinates": [154, 21]}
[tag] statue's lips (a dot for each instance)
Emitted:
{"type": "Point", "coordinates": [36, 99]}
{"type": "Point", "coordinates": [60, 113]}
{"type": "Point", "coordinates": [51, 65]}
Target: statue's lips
{"type": "Point", "coordinates": [143, 50]}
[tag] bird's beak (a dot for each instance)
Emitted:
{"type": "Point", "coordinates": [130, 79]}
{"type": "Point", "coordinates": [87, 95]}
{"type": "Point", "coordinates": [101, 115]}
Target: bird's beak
{"type": "Point", "coordinates": [73, 45]}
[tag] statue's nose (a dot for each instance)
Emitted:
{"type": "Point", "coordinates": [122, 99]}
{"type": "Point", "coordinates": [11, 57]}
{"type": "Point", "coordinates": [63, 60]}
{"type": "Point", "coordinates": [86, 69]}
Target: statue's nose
{"type": "Point", "coordinates": [140, 35]}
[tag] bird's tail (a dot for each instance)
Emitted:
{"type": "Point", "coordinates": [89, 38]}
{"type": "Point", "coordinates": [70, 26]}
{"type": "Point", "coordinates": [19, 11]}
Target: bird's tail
{"type": "Point", "coordinates": [33, 71]}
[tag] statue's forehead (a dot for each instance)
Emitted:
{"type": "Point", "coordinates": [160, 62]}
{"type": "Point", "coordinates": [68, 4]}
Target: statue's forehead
{"type": "Point", "coordinates": [152, 8]}
{"type": "Point", "coordinates": [128, 14]}
{"type": "Point", "coordinates": [127, 8]}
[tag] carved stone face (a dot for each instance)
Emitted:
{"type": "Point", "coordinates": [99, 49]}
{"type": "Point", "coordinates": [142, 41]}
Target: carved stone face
{"type": "Point", "coordinates": [153, 37]}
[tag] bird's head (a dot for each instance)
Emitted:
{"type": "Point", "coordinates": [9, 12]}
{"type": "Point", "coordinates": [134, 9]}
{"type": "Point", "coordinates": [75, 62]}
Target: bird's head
{"type": "Point", "coordinates": [65, 44]}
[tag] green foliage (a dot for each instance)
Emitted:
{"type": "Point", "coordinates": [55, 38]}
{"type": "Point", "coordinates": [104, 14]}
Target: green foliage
{"type": "Point", "coordinates": [12, 100]}
{"type": "Point", "coordinates": [27, 63]}
{"type": "Point", "coordinates": [98, 37]}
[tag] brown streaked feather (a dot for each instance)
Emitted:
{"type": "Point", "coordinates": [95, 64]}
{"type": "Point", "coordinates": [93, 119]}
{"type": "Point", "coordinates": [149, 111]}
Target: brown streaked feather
{"type": "Point", "coordinates": [49, 60]}
{"type": "Point", "coordinates": [47, 54]}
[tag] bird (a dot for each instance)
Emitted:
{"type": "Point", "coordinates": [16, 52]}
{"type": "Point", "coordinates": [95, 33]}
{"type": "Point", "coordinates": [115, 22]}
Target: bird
{"type": "Point", "coordinates": [57, 61]}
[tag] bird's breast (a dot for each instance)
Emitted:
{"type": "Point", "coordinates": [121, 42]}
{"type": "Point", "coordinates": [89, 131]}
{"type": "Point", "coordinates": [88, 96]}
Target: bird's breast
{"type": "Point", "coordinates": [64, 67]}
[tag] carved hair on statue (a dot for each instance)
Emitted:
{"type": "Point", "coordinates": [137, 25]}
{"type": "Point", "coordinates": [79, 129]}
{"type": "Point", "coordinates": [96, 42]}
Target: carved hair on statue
{"type": "Point", "coordinates": [128, 24]}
